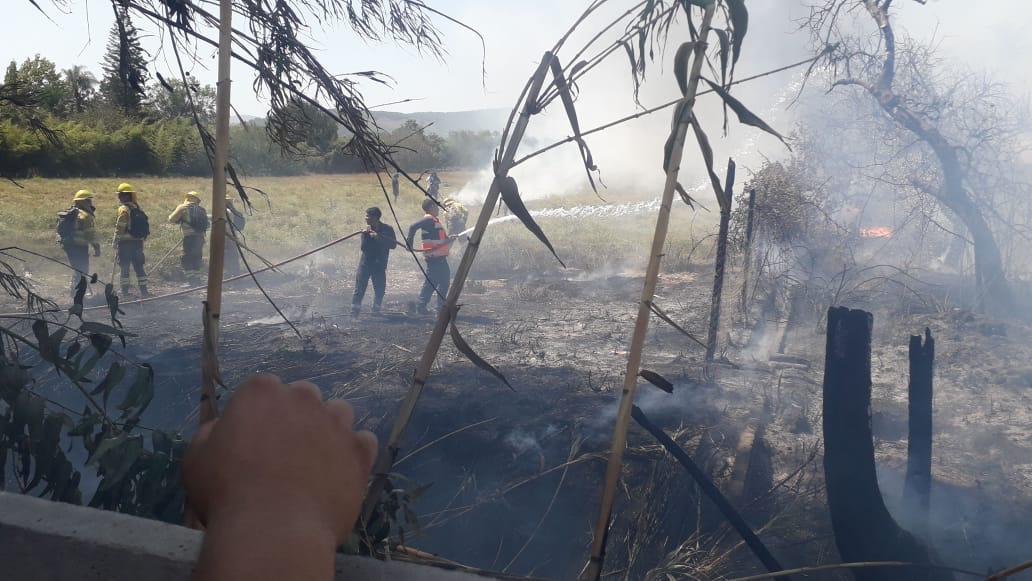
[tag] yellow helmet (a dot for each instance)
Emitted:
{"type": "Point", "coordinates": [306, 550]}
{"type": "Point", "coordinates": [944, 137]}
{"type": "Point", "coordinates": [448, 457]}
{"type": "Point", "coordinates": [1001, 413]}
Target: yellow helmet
{"type": "Point", "coordinates": [124, 188]}
{"type": "Point", "coordinates": [82, 195]}
{"type": "Point", "coordinates": [193, 196]}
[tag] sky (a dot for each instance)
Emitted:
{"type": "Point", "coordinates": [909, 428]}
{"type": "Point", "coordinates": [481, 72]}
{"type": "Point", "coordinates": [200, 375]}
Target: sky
{"type": "Point", "coordinates": [517, 32]}
{"type": "Point", "coordinates": [987, 36]}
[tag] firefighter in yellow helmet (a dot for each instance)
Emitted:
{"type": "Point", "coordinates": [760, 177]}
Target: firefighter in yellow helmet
{"type": "Point", "coordinates": [193, 220]}
{"type": "Point", "coordinates": [234, 230]}
{"type": "Point", "coordinates": [76, 232]}
{"type": "Point", "coordinates": [132, 227]}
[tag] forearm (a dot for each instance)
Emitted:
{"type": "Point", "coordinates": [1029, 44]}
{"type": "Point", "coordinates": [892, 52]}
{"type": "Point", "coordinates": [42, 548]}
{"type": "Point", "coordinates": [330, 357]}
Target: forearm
{"type": "Point", "coordinates": [266, 547]}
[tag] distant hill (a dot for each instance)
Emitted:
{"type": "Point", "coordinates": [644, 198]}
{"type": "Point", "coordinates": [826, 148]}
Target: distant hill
{"type": "Point", "coordinates": [445, 121]}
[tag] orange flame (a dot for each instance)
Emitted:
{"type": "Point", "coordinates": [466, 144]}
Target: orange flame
{"type": "Point", "coordinates": [876, 232]}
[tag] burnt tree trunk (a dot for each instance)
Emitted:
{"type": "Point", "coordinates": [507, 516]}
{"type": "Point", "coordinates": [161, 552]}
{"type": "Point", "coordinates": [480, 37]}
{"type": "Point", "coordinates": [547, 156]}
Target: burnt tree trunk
{"type": "Point", "coordinates": [864, 529]}
{"type": "Point", "coordinates": [918, 485]}
{"type": "Point", "coordinates": [721, 263]}
{"type": "Point", "coordinates": [747, 251]}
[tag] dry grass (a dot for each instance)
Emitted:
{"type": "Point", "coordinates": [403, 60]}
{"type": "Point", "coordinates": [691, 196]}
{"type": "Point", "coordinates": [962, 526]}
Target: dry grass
{"type": "Point", "coordinates": [306, 211]}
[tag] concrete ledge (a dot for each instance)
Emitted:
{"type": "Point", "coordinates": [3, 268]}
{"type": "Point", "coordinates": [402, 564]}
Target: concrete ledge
{"type": "Point", "coordinates": [43, 540]}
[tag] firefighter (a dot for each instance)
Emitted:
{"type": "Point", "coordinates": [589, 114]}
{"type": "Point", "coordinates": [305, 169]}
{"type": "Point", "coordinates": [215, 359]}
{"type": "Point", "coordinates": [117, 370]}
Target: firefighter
{"type": "Point", "coordinates": [236, 222]}
{"type": "Point", "coordinates": [377, 242]}
{"type": "Point", "coordinates": [436, 247]}
{"type": "Point", "coordinates": [193, 220]}
{"type": "Point", "coordinates": [77, 231]}
{"type": "Point", "coordinates": [433, 185]}
{"type": "Point", "coordinates": [132, 227]}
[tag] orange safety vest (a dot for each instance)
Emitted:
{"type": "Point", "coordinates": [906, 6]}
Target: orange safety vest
{"type": "Point", "coordinates": [437, 248]}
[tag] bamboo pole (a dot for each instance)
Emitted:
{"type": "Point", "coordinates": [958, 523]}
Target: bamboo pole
{"type": "Point", "coordinates": [593, 570]}
{"type": "Point", "coordinates": [217, 244]}
{"type": "Point", "coordinates": [385, 461]}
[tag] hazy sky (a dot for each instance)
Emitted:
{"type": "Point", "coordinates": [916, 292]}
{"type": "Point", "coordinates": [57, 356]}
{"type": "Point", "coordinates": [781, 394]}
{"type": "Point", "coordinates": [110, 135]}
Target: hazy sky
{"type": "Point", "coordinates": [990, 34]}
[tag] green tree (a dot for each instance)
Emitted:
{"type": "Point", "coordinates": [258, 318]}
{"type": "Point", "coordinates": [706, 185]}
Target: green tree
{"type": "Point", "coordinates": [125, 67]}
{"type": "Point", "coordinates": [39, 76]}
{"type": "Point", "coordinates": [11, 76]}
{"type": "Point", "coordinates": [175, 104]}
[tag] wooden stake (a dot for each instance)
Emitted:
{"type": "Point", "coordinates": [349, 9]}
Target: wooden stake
{"type": "Point", "coordinates": [918, 484]}
{"type": "Point", "coordinates": [720, 264]}
{"type": "Point", "coordinates": [593, 570]}
{"type": "Point", "coordinates": [385, 461]}
{"type": "Point", "coordinates": [217, 243]}
{"type": "Point", "coordinates": [747, 252]}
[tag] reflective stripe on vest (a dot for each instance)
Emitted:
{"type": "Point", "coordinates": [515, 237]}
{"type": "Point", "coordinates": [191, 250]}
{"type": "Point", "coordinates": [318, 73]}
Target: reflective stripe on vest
{"type": "Point", "coordinates": [434, 248]}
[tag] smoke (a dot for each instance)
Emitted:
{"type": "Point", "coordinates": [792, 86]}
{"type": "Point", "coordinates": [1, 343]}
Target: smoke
{"type": "Point", "coordinates": [629, 156]}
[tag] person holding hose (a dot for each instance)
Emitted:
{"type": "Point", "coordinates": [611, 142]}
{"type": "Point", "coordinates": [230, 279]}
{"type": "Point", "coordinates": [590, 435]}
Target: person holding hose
{"type": "Point", "coordinates": [193, 220]}
{"type": "Point", "coordinates": [377, 242]}
{"type": "Point", "coordinates": [436, 247]}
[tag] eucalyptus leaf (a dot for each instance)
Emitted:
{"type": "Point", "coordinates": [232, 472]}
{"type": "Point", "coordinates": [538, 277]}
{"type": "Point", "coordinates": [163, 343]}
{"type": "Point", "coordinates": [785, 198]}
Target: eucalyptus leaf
{"type": "Point", "coordinates": [105, 447]}
{"type": "Point", "coordinates": [112, 378]}
{"type": "Point", "coordinates": [127, 455]}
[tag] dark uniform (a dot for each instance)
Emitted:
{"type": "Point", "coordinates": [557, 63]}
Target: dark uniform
{"type": "Point", "coordinates": [436, 247]}
{"type": "Point", "coordinates": [373, 265]}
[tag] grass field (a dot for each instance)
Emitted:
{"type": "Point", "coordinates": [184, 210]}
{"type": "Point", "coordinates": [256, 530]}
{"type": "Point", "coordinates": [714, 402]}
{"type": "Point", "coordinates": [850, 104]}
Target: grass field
{"type": "Point", "coordinates": [303, 212]}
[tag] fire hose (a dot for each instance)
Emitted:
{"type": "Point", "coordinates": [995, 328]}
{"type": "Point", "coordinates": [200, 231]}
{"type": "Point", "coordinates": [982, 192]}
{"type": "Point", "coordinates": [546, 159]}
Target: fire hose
{"type": "Point", "coordinates": [238, 277]}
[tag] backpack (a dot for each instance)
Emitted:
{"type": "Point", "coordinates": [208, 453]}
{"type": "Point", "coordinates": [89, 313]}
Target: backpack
{"type": "Point", "coordinates": [66, 225]}
{"type": "Point", "coordinates": [238, 219]}
{"type": "Point", "coordinates": [139, 223]}
{"type": "Point", "coordinates": [197, 218]}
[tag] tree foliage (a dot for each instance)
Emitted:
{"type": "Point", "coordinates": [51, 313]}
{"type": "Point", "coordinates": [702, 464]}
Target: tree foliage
{"type": "Point", "coordinates": [124, 85]}
{"type": "Point", "coordinates": [39, 436]}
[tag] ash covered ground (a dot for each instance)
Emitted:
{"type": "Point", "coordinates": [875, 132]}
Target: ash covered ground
{"type": "Point", "coordinates": [516, 474]}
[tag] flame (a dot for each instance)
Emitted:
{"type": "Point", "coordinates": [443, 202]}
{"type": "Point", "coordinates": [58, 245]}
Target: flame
{"type": "Point", "coordinates": [876, 232]}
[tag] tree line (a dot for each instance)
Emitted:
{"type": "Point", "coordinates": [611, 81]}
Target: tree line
{"type": "Point", "coordinates": [128, 122]}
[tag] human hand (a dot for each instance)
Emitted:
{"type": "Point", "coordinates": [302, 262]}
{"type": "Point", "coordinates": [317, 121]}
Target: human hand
{"type": "Point", "coordinates": [280, 458]}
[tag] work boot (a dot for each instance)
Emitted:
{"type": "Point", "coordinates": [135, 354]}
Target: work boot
{"type": "Point", "coordinates": [376, 309]}
{"type": "Point", "coordinates": [422, 310]}
{"type": "Point", "coordinates": [125, 290]}
{"type": "Point", "coordinates": [144, 292]}
{"type": "Point", "coordinates": [355, 310]}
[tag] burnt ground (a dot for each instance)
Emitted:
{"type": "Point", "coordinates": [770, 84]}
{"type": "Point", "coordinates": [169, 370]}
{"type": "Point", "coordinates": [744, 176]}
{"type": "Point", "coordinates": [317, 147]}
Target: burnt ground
{"type": "Point", "coordinates": [516, 474]}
